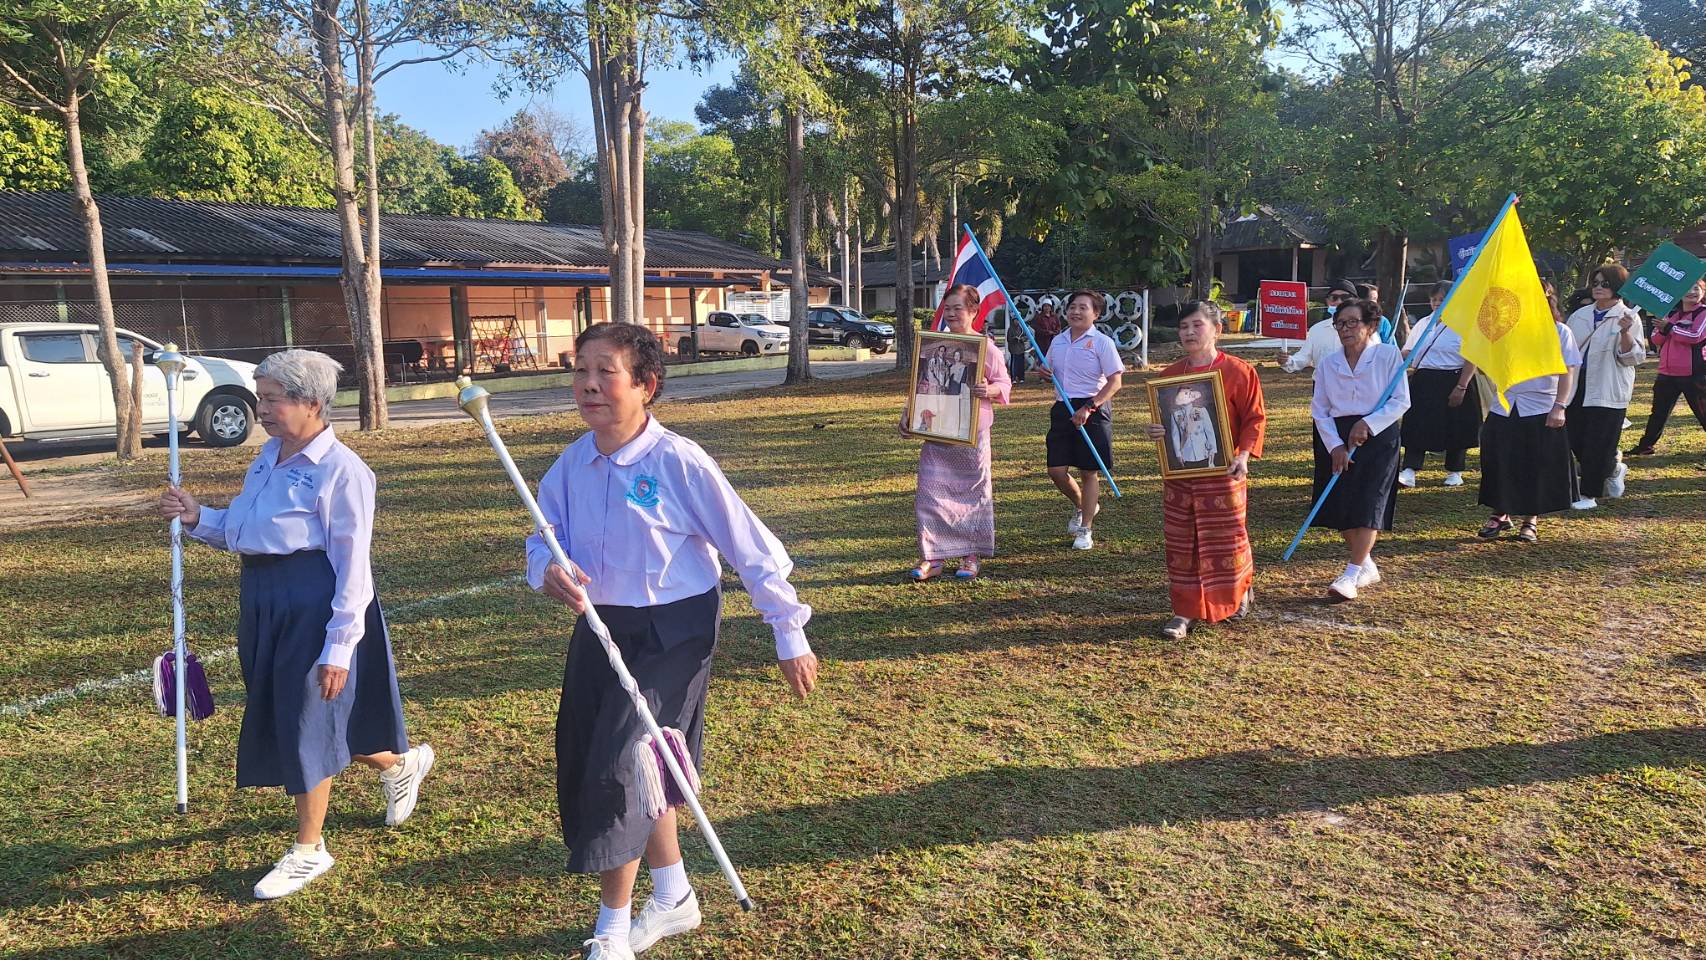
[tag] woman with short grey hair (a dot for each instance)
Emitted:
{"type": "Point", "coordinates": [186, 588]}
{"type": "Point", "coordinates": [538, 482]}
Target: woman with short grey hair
{"type": "Point", "coordinates": [322, 685]}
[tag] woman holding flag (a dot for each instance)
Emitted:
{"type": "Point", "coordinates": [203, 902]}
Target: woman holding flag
{"type": "Point", "coordinates": [1210, 568]}
{"type": "Point", "coordinates": [955, 502]}
{"type": "Point", "coordinates": [1086, 363]}
{"type": "Point", "coordinates": [1349, 415]}
{"type": "Point", "coordinates": [1526, 465]}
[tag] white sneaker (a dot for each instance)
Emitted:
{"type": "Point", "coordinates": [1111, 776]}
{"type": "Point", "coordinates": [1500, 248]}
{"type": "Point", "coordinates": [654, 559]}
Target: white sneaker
{"type": "Point", "coordinates": [1344, 588]}
{"type": "Point", "coordinates": [1406, 477]}
{"type": "Point", "coordinates": [654, 923]}
{"type": "Point", "coordinates": [1585, 503]}
{"type": "Point", "coordinates": [1177, 628]}
{"type": "Point", "coordinates": [1617, 483]}
{"type": "Point", "coordinates": [606, 948]}
{"type": "Point", "coordinates": [293, 872]}
{"type": "Point", "coordinates": [402, 783]}
{"type": "Point", "coordinates": [1083, 541]}
{"type": "Point", "coordinates": [1076, 523]}
{"type": "Point", "coordinates": [1368, 575]}
{"type": "Point", "coordinates": [1454, 479]}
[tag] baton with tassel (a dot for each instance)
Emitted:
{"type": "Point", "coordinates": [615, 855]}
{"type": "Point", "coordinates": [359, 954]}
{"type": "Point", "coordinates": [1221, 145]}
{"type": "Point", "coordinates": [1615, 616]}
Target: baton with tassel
{"type": "Point", "coordinates": [659, 748]}
{"type": "Point", "coordinates": [178, 676]}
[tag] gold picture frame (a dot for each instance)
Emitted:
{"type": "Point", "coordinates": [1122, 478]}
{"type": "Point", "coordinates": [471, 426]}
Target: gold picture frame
{"type": "Point", "coordinates": [939, 401]}
{"type": "Point", "coordinates": [1191, 447]}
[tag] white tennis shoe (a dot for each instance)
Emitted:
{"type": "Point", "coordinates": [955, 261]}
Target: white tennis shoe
{"type": "Point", "coordinates": [654, 922]}
{"type": "Point", "coordinates": [293, 872]}
{"type": "Point", "coordinates": [402, 783]}
{"type": "Point", "coordinates": [606, 948]}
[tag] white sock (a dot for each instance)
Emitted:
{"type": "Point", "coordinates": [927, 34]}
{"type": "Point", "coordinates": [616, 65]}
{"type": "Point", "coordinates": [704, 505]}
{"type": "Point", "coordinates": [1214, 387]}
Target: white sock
{"type": "Point", "coordinates": [1351, 570]}
{"type": "Point", "coordinates": [614, 922]}
{"type": "Point", "coordinates": [1369, 564]}
{"type": "Point", "coordinates": [308, 849]}
{"type": "Point", "coordinates": [670, 886]}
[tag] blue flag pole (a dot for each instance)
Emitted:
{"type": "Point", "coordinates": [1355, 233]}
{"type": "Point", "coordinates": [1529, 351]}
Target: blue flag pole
{"type": "Point", "coordinates": [1439, 326]}
{"type": "Point", "coordinates": [1013, 314]}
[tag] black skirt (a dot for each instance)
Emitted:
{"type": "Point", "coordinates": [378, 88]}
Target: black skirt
{"type": "Point", "coordinates": [1367, 493]}
{"type": "Point", "coordinates": [668, 649]}
{"type": "Point", "coordinates": [1066, 445]}
{"type": "Point", "coordinates": [1432, 425]}
{"type": "Point", "coordinates": [1526, 466]}
{"type": "Point", "coordinates": [291, 736]}
{"type": "Point", "coordinates": [1594, 435]}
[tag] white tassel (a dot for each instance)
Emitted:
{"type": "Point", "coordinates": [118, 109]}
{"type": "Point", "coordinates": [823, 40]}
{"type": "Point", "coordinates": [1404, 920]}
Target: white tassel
{"type": "Point", "coordinates": [160, 691]}
{"type": "Point", "coordinates": [648, 779]}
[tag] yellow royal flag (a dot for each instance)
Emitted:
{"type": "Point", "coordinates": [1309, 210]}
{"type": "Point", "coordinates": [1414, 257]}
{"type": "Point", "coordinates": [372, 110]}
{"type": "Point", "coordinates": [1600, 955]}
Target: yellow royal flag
{"type": "Point", "coordinates": [1499, 309]}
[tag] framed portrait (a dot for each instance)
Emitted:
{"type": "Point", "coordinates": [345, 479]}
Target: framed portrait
{"type": "Point", "coordinates": [1197, 430]}
{"type": "Point", "coordinates": [939, 403]}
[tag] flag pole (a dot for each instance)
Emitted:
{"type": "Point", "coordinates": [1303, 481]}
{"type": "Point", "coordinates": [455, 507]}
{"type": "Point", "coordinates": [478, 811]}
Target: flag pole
{"type": "Point", "coordinates": [1013, 314]}
{"type": "Point", "coordinates": [1415, 355]}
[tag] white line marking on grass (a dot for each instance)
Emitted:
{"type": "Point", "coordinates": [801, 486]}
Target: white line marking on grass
{"type": "Point", "coordinates": [1328, 624]}
{"type": "Point", "coordinates": [145, 676]}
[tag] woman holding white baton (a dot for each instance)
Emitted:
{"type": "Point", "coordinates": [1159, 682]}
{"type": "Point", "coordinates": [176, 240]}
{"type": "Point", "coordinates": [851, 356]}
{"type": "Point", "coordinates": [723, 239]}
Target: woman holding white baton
{"type": "Point", "coordinates": [643, 514]}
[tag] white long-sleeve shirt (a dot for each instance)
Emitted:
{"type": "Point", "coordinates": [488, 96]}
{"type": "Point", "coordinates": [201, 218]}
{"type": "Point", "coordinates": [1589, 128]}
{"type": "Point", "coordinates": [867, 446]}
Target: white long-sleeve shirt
{"type": "Point", "coordinates": [1444, 353]}
{"type": "Point", "coordinates": [1318, 344]}
{"type": "Point", "coordinates": [1341, 391]}
{"type": "Point", "coordinates": [319, 499]}
{"type": "Point", "coordinates": [647, 524]}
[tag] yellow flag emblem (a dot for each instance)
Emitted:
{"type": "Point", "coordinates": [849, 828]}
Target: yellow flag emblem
{"type": "Point", "coordinates": [1499, 309]}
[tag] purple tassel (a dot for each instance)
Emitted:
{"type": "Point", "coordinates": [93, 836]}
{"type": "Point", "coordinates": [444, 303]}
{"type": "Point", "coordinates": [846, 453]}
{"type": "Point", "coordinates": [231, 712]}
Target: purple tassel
{"type": "Point", "coordinates": [659, 793]}
{"type": "Point", "coordinates": [197, 696]}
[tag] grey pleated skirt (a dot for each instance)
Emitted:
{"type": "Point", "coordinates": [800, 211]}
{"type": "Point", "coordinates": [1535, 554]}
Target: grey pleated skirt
{"type": "Point", "coordinates": [668, 648]}
{"type": "Point", "coordinates": [291, 736]}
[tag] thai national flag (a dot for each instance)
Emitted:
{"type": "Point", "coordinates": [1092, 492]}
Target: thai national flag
{"type": "Point", "coordinates": [972, 267]}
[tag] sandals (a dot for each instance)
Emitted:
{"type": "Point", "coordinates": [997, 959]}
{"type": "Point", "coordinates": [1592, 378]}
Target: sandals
{"type": "Point", "coordinates": [928, 570]}
{"type": "Point", "coordinates": [1530, 531]}
{"type": "Point", "coordinates": [1246, 604]}
{"type": "Point", "coordinates": [1493, 527]}
{"type": "Point", "coordinates": [969, 569]}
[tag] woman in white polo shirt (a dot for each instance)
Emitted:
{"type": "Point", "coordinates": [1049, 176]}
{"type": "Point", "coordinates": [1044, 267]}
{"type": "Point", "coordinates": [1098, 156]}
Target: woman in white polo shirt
{"type": "Point", "coordinates": [1087, 365]}
{"type": "Point", "coordinates": [1444, 415]}
{"type": "Point", "coordinates": [1526, 465]}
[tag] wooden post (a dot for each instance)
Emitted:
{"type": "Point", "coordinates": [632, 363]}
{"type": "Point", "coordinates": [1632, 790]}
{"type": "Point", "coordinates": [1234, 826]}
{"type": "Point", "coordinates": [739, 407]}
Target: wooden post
{"type": "Point", "coordinates": [693, 318]}
{"type": "Point", "coordinates": [12, 465]}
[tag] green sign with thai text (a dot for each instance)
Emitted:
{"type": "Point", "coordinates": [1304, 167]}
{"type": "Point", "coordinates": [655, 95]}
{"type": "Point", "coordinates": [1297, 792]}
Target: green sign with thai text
{"type": "Point", "coordinates": [1660, 283]}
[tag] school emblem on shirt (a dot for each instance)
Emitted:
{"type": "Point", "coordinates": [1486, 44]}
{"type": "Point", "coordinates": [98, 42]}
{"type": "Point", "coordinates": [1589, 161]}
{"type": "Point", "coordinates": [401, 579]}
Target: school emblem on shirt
{"type": "Point", "coordinates": [644, 492]}
{"type": "Point", "coordinates": [300, 478]}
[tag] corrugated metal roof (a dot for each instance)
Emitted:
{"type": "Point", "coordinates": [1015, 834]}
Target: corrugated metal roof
{"type": "Point", "coordinates": [36, 226]}
{"type": "Point", "coordinates": [1272, 227]}
{"type": "Point", "coordinates": [28, 272]}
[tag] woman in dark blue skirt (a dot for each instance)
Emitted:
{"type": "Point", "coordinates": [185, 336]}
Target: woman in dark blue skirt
{"type": "Point", "coordinates": [322, 686]}
{"type": "Point", "coordinates": [1350, 414]}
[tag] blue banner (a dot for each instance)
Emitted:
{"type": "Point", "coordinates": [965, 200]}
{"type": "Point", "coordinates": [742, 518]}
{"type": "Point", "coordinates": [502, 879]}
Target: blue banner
{"type": "Point", "coordinates": [1461, 249]}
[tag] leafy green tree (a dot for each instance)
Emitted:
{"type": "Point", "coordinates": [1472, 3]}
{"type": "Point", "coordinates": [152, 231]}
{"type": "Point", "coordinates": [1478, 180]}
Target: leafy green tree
{"type": "Point", "coordinates": [1679, 26]}
{"type": "Point", "coordinates": [205, 146]}
{"type": "Point", "coordinates": [1608, 155]}
{"type": "Point", "coordinates": [412, 174]}
{"type": "Point", "coordinates": [481, 187]}
{"type": "Point", "coordinates": [32, 152]}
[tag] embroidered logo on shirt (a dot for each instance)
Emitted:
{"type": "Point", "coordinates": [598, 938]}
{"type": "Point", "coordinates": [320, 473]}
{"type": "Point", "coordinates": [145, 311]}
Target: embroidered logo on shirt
{"type": "Point", "coordinates": [644, 492]}
{"type": "Point", "coordinates": [300, 478]}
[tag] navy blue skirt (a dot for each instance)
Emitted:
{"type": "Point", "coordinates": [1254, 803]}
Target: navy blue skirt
{"type": "Point", "coordinates": [291, 736]}
{"type": "Point", "coordinates": [668, 649]}
{"type": "Point", "coordinates": [1366, 495]}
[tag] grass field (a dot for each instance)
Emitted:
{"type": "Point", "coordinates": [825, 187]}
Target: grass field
{"type": "Point", "coordinates": [1501, 752]}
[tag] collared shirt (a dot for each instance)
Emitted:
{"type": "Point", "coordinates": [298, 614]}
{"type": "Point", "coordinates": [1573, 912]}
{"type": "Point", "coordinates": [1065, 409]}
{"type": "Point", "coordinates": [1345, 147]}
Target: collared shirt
{"type": "Point", "coordinates": [1083, 362]}
{"type": "Point", "coordinates": [1321, 342]}
{"type": "Point", "coordinates": [647, 523]}
{"type": "Point", "coordinates": [1444, 352]}
{"type": "Point", "coordinates": [1537, 395]}
{"type": "Point", "coordinates": [319, 499]}
{"type": "Point", "coordinates": [1344, 391]}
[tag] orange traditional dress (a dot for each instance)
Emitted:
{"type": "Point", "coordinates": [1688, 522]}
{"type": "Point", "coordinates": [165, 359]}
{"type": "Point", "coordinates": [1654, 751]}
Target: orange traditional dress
{"type": "Point", "coordinates": [1209, 563]}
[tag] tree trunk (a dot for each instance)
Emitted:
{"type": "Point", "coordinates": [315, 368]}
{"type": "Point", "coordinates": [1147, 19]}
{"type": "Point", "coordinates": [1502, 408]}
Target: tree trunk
{"type": "Point", "coordinates": [1391, 256]}
{"type": "Point", "coordinates": [858, 254]}
{"type": "Point", "coordinates": [799, 362]}
{"type": "Point", "coordinates": [375, 412]}
{"type": "Point", "coordinates": [352, 275]}
{"type": "Point", "coordinates": [846, 247]}
{"type": "Point", "coordinates": [129, 445]}
{"type": "Point", "coordinates": [635, 85]}
{"type": "Point", "coordinates": [906, 214]}
{"type": "Point", "coordinates": [1202, 253]}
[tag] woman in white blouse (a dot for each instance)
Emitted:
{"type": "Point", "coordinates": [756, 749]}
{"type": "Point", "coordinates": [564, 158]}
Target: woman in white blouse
{"type": "Point", "coordinates": [322, 685]}
{"type": "Point", "coordinates": [1444, 416]}
{"type": "Point", "coordinates": [1349, 415]}
{"type": "Point", "coordinates": [1526, 466]}
{"type": "Point", "coordinates": [1609, 333]}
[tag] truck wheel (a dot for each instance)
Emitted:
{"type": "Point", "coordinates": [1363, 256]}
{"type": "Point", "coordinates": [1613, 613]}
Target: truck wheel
{"type": "Point", "coordinates": [856, 342]}
{"type": "Point", "coordinates": [224, 420]}
{"type": "Point", "coordinates": [685, 347]}
{"type": "Point", "coordinates": [880, 347]}
{"type": "Point", "coordinates": [749, 348]}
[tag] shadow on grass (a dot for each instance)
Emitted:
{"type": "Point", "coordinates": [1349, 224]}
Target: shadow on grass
{"type": "Point", "coordinates": [1027, 803]}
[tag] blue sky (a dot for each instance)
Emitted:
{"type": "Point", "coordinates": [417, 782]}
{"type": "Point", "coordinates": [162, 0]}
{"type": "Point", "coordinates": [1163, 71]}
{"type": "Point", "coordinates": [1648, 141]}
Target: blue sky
{"type": "Point", "coordinates": [454, 107]}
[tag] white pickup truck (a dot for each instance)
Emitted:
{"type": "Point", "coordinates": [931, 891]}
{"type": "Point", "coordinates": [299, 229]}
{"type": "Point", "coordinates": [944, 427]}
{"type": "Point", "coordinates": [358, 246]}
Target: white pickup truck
{"type": "Point", "coordinates": [53, 387]}
{"type": "Point", "coordinates": [726, 332]}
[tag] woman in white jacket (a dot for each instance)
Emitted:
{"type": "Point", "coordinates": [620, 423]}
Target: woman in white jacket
{"type": "Point", "coordinates": [1612, 344]}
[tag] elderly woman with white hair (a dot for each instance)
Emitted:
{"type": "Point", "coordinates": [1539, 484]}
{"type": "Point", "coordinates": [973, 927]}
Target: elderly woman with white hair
{"type": "Point", "coordinates": [317, 665]}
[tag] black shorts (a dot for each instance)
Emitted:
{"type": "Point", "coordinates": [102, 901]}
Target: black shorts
{"type": "Point", "coordinates": [1066, 445]}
